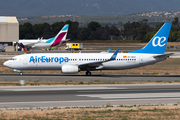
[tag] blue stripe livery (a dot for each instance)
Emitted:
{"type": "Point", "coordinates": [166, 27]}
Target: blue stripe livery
{"type": "Point", "coordinates": [65, 27]}
{"type": "Point", "coordinates": [50, 40]}
{"type": "Point", "coordinates": [157, 44]}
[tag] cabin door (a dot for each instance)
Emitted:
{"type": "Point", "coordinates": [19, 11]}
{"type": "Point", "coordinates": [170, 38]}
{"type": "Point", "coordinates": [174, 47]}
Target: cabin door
{"type": "Point", "coordinates": [25, 60]}
{"type": "Point", "coordinates": [141, 59]}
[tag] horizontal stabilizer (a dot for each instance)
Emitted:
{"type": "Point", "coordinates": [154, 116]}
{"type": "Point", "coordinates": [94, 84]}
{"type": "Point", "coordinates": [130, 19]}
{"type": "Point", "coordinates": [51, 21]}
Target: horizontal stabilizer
{"type": "Point", "coordinates": [163, 55]}
{"type": "Point", "coordinates": [66, 40]}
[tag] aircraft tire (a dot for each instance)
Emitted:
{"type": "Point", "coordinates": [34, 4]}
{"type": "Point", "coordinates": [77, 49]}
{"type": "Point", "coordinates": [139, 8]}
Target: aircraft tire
{"type": "Point", "coordinates": [20, 73]}
{"type": "Point", "coordinates": [88, 73]}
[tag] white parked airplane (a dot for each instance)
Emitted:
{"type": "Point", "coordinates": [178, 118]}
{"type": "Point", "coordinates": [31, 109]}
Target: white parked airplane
{"type": "Point", "coordinates": [74, 62]}
{"type": "Point", "coordinates": [2, 47]}
{"type": "Point", "coordinates": [59, 39]}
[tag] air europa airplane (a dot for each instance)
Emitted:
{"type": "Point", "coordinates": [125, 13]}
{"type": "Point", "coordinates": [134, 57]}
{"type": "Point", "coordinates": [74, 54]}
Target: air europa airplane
{"type": "Point", "coordinates": [74, 62]}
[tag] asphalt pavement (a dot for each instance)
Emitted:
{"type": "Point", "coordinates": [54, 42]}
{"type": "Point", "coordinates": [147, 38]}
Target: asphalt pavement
{"type": "Point", "coordinates": [30, 97]}
{"type": "Point", "coordinates": [84, 78]}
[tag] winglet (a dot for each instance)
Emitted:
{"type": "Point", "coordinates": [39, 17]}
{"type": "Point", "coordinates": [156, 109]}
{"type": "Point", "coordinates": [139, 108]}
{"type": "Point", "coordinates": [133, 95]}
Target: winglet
{"type": "Point", "coordinates": [114, 55]}
{"type": "Point", "coordinates": [109, 51]}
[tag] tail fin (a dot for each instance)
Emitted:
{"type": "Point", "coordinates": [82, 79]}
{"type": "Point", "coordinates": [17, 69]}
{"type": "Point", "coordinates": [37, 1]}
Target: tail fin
{"type": "Point", "coordinates": [59, 37]}
{"type": "Point", "coordinates": [157, 44]}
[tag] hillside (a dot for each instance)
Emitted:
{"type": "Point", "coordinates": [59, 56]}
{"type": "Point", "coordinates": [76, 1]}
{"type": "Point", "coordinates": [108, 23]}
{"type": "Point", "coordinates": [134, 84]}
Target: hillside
{"type": "Point", "coordinates": [25, 8]}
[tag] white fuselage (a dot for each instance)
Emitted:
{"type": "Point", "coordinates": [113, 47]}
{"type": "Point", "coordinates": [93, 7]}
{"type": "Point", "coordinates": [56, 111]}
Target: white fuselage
{"type": "Point", "coordinates": [55, 61]}
{"type": "Point", "coordinates": [35, 43]}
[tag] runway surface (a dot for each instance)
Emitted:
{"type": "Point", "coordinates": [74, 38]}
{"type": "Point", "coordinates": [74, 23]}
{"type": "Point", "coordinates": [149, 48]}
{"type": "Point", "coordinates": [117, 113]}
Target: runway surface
{"type": "Point", "coordinates": [88, 95]}
{"type": "Point", "coordinates": [84, 78]}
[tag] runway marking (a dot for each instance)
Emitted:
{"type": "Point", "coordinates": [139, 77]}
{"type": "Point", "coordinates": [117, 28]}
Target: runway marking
{"type": "Point", "coordinates": [81, 101]}
{"type": "Point", "coordinates": [125, 90]}
{"type": "Point", "coordinates": [134, 95]}
{"type": "Point", "coordinates": [52, 89]}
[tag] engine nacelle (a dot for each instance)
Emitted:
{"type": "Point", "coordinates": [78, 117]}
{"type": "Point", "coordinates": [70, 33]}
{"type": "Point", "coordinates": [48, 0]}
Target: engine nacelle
{"type": "Point", "coordinates": [69, 69]}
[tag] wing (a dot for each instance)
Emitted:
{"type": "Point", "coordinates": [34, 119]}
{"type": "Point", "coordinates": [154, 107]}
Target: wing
{"type": "Point", "coordinates": [29, 44]}
{"type": "Point", "coordinates": [98, 63]}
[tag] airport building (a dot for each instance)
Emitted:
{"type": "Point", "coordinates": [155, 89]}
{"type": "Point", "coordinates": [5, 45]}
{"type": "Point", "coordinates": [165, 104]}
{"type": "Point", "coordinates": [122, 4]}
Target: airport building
{"type": "Point", "coordinates": [9, 32]}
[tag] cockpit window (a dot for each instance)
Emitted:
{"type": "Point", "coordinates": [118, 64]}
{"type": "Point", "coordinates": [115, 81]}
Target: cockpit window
{"type": "Point", "coordinates": [13, 59]}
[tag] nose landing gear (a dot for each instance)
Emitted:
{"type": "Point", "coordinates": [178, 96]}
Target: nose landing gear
{"type": "Point", "coordinates": [20, 73]}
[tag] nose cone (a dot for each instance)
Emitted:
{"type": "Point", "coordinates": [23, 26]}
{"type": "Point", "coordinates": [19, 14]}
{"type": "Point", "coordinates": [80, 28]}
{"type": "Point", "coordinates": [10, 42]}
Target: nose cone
{"type": "Point", "coordinates": [7, 64]}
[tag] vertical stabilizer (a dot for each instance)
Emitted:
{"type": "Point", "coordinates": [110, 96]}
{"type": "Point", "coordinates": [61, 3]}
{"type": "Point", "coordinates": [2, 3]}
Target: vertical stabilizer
{"type": "Point", "coordinates": [157, 44]}
{"type": "Point", "coordinates": [59, 37]}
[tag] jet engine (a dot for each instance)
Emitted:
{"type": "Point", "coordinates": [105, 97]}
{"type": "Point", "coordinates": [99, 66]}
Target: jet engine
{"type": "Point", "coordinates": [69, 69]}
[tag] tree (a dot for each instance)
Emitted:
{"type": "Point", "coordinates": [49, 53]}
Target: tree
{"type": "Point", "coordinates": [38, 30]}
{"type": "Point", "coordinates": [175, 22]}
{"type": "Point", "coordinates": [93, 25]}
{"type": "Point", "coordinates": [148, 36]}
{"type": "Point", "coordinates": [25, 31]}
{"type": "Point", "coordinates": [84, 34]}
{"type": "Point", "coordinates": [114, 31]}
{"type": "Point", "coordinates": [47, 32]}
{"type": "Point", "coordinates": [57, 26]}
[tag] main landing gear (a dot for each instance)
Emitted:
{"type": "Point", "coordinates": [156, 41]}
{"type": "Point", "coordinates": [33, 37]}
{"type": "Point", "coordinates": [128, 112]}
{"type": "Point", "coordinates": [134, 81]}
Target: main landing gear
{"type": "Point", "coordinates": [88, 73]}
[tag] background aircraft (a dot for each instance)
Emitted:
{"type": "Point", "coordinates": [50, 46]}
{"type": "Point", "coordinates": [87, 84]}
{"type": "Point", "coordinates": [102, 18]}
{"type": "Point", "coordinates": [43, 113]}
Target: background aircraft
{"type": "Point", "coordinates": [74, 62]}
{"type": "Point", "coordinates": [59, 39]}
{"type": "Point", "coordinates": [2, 47]}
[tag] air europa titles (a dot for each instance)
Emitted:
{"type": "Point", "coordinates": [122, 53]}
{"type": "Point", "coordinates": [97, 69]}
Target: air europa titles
{"type": "Point", "coordinates": [44, 59]}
